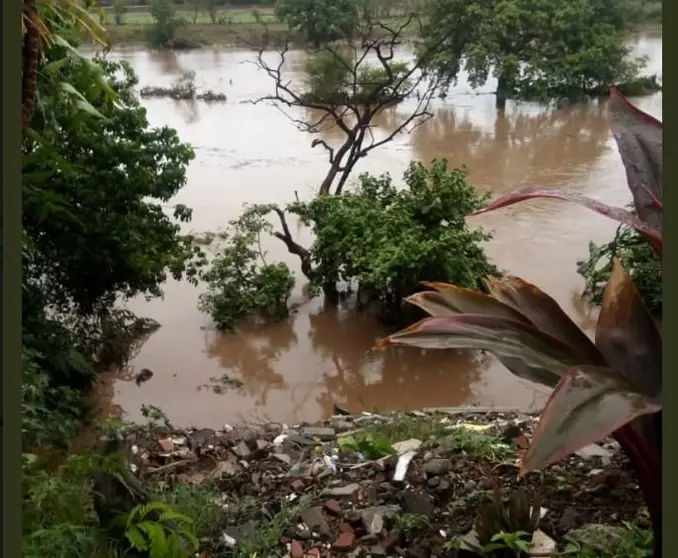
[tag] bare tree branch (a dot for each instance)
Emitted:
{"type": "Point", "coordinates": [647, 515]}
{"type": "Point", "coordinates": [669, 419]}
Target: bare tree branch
{"type": "Point", "coordinates": [358, 99]}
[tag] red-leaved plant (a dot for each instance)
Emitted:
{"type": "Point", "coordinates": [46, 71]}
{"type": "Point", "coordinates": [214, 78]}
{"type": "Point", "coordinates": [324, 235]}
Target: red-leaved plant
{"type": "Point", "coordinates": [610, 386]}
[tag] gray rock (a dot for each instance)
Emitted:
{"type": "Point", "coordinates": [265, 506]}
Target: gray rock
{"type": "Point", "coordinates": [241, 449]}
{"type": "Point", "coordinates": [377, 551]}
{"type": "Point", "coordinates": [368, 539]}
{"type": "Point", "coordinates": [418, 502]}
{"type": "Point", "coordinates": [321, 433]}
{"type": "Point", "coordinates": [342, 425]}
{"type": "Point", "coordinates": [241, 532]}
{"type": "Point", "coordinates": [299, 440]}
{"type": "Point", "coordinates": [250, 436]}
{"type": "Point", "coordinates": [282, 457]}
{"type": "Point", "coordinates": [436, 467]}
{"type": "Point", "coordinates": [344, 491]}
{"type": "Point", "coordinates": [372, 521]}
{"type": "Point", "coordinates": [300, 469]}
{"type": "Point", "coordinates": [201, 438]}
{"type": "Point", "coordinates": [315, 520]}
{"type": "Point", "coordinates": [223, 469]}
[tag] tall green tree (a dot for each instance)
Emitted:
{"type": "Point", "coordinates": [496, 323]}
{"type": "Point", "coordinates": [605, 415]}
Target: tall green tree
{"type": "Point", "coordinates": [319, 21]}
{"type": "Point", "coordinates": [534, 48]}
{"type": "Point", "coordinates": [165, 22]}
{"type": "Point", "coordinates": [98, 227]}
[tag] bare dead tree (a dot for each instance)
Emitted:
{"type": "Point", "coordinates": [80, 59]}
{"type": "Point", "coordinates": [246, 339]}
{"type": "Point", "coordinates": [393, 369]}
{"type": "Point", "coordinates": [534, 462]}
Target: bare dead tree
{"type": "Point", "coordinates": [376, 79]}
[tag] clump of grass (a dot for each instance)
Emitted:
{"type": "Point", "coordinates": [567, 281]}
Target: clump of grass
{"type": "Point", "coordinates": [266, 537]}
{"type": "Point", "coordinates": [599, 541]}
{"type": "Point", "coordinates": [405, 428]}
{"type": "Point", "coordinates": [410, 525]}
{"type": "Point", "coordinates": [57, 514]}
{"type": "Point", "coordinates": [480, 444]}
{"type": "Point", "coordinates": [200, 502]}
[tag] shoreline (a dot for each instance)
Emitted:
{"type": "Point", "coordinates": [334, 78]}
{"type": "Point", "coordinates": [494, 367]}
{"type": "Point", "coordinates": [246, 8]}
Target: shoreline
{"type": "Point", "coordinates": [195, 36]}
{"type": "Point", "coordinates": [409, 484]}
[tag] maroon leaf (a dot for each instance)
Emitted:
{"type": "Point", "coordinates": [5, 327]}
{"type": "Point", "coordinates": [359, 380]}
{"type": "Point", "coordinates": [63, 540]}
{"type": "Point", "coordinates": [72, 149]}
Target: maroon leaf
{"type": "Point", "coordinates": [639, 140]}
{"type": "Point", "coordinates": [449, 299]}
{"type": "Point", "coordinates": [546, 314]}
{"type": "Point", "coordinates": [627, 335]}
{"type": "Point", "coordinates": [588, 404]}
{"type": "Point", "coordinates": [620, 215]}
{"type": "Point", "coordinates": [527, 352]}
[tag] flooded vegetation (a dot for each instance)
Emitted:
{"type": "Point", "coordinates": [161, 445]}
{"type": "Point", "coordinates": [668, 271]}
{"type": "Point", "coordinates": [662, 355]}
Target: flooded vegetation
{"type": "Point", "coordinates": [299, 368]}
{"type": "Point", "coordinates": [315, 296]}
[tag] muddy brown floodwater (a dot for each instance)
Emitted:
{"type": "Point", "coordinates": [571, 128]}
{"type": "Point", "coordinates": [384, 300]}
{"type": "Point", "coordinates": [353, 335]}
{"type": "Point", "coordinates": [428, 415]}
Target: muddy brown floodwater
{"type": "Point", "coordinates": [298, 369]}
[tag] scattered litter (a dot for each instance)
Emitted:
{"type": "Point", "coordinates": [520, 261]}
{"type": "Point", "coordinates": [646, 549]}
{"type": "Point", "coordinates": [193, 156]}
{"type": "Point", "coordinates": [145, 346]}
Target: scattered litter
{"type": "Point", "coordinates": [402, 466]}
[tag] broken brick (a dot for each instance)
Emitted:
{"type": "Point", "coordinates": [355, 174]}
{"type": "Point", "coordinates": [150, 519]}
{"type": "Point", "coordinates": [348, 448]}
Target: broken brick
{"type": "Point", "coordinates": [296, 551]}
{"type": "Point", "coordinates": [333, 507]}
{"type": "Point", "coordinates": [346, 541]}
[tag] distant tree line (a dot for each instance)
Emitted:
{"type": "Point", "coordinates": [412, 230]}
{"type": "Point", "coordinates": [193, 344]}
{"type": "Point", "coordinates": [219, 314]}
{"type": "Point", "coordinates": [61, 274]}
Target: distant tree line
{"type": "Point", "coordinates": [220, 3]}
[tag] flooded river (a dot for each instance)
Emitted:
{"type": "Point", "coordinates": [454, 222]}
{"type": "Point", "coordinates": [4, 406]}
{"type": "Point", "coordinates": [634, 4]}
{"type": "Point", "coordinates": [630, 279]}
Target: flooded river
{"type": "Point", "coordinates": [297, 370]}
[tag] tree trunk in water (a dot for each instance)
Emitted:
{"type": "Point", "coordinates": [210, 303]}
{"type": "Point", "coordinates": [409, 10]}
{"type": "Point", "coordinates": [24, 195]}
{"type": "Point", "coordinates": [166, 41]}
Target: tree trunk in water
{"type": "Point", "coordinates": [502, 93]}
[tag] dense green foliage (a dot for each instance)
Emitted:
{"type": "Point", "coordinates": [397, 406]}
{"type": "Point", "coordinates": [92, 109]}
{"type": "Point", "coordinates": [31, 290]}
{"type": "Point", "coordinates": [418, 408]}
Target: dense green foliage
{"type": "Point", "coordinates": [385, 239]}
{"type": "Point", "coordinates": [165, 23]}
{"type": "Point", "coordinates": [638, 259]}
{"type": "Point", "coordinates": [534, 49]}
{"type": "Point", "coordinates": [332, 77]}
{"type": "Point", "coordinates": [240, 282]}
{"type": "Point", "coordinates": [96, 177]}
{"type": "Point", "coordinates": [119, 10]}
{"type": "Point", "coordinates": [319, 21]}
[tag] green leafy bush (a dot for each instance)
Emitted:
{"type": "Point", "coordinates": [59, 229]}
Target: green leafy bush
{"type": "Point", "coordinates": [240, 281]}
{"type": "Point", "coordinates": [638, 259]}
{"type": "Point", "coordinates": [386, 240]}
{"type": "Point", "coordinates": [159, 530]}
{"type": "Point", "coordinates": [96, 178]}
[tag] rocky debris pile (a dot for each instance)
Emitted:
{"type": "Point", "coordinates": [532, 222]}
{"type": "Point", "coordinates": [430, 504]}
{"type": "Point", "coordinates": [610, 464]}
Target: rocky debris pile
{"type": "Point", "coordinates": [381, 485]}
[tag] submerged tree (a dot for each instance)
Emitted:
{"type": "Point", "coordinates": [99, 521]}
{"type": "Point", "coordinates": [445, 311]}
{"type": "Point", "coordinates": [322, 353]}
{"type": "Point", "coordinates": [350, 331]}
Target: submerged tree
{"type": "Point", "coordinates": [349, 84]}
{"type": "Point", "coordinates": [534, 49]}
{"type": "Point", "coordinates": [375, 237]}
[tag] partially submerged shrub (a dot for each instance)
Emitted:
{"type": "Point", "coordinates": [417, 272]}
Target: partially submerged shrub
{"type": "Point", "coordinates": [385, 239]}
{"type": "Point", "coordinates": [240, 281]}
{"type": "Point", "coordinates": [636, 256]}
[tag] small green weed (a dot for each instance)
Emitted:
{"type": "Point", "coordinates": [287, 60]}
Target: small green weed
{"type": "Point", "coordinates": [519, 543]}
{"type": "Point", "coordinates": [405, 428]}
{"type": "Point", "coordinates": [600, 542]}
{"type": "Point", "coordinates": [268, 533]}
{"type": "Point", "coordinates": [57, 514]}
{"type": "Point", "coordinates": [371, 445]}
{"type": "Point", "coordinates": [410, 525]}
{"type": "Point", "coordinates": [158, 529]}
{"type": "Point", "coordinates": [479, 444]}
{"type": "Point", "coordinates": [200, 502]}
